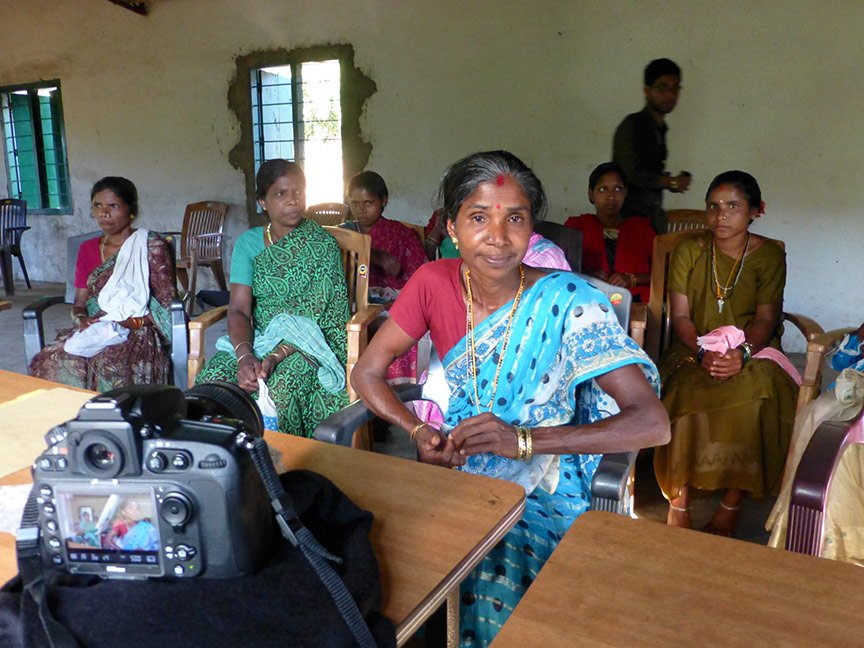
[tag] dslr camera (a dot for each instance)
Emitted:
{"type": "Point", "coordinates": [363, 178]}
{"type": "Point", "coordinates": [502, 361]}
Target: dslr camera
{"type": "Point", "coordinates": [147, 482]}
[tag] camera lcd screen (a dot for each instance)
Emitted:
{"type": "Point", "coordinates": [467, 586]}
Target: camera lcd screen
{"type": "Point", "coordinates": [116, 528]}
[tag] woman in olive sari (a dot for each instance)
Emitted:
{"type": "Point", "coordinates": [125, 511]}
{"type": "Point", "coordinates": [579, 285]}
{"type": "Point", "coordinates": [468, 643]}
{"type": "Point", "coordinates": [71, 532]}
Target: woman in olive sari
{"type": "Point", "coordinates": [125, 278]}
{"type": "Point", "coordinates": [725, 382]}
{"type": "Point", "coordinates": [288, 308]}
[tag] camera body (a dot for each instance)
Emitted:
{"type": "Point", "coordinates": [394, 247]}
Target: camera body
{"type": "Point", "coordinates": [146, 482]}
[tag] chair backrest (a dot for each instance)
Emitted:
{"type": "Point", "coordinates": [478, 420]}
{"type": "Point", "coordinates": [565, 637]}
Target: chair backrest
{"type": "Point", "coordinates": [620, 298]}
{"type": "Point", "coordinates": [680, 220]}
{"type": "Point", "coordinates": [419, 230]}
{"type": "Point", "coordinates": [13, 213]}
{"type": "Point", "coordinates": [567, 238]}
{"type": "Point", "coordinates": [658, 329]}
{"type": "Point", "coordinates": [331, 213]}
{"type": "Point", "coordinates": [206, 217]}
{"type": "Point", "coordinates": [356, 252]}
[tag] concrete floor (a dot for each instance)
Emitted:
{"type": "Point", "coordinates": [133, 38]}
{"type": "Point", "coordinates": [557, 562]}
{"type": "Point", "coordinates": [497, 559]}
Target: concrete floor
{"type": "Point", "coordinates": [649, 502]}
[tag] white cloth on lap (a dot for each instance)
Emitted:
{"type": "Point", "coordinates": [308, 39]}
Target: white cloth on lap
{"type": "Point", "coordinates": [126, 294]}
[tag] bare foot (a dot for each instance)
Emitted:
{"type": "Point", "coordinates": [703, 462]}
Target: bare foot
{"type": "Point", "coordinates": [724, 521]}
{"type": "Point", "coordinates": [679, 517]}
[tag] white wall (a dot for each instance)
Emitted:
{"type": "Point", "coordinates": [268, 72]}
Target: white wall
{"type": "Point", "coordinates": [771, 87]}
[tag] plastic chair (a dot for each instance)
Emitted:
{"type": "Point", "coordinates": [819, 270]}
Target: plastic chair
{"type": "Point", "coordinates": [34, 332]}
{"type": "Point", "coordinates": [658, 328]}
{"type": "Point", "coordinates": [809, 497]}
{"type": "Point", "coordinates": [681, 220]}
{"type": "Point", "coordinates": [13, 223]}
{"type": "Point", "coordinates": [332, 213]}
{"type": "Point", "coordinates": [567, 238]}
{"type": "Point", "coordinates": [611, 487]}
{"type": "Point", "coordinates": [355, 249]}
{"type": "Point", "coordinates": [202, 243]}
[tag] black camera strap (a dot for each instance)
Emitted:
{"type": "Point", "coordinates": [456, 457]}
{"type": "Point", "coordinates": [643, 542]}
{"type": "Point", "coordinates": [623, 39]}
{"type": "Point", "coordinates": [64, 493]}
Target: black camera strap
{"type": "Point", "coordinates": [301, 537]}
{"type": "Point", "coordinates": [33, 575]}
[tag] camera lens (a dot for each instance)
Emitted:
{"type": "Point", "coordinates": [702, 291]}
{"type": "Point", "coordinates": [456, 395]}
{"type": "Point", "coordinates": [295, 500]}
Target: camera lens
{"type": "Point", "coordinates": [100, 457]}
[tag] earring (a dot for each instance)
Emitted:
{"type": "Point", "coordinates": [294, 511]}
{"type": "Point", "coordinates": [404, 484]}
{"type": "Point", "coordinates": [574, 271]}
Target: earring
{"type": "Point", "coordinates": [132, 217]}
{"type": "Point", "coordinates": [455, 242]}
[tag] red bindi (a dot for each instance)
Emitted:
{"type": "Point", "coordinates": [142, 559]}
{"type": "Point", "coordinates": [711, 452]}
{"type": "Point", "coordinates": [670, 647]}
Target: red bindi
{"type": "Point", "coordinates": [497, 206]}
{"type": "Point", "coordinates": [499, 180]}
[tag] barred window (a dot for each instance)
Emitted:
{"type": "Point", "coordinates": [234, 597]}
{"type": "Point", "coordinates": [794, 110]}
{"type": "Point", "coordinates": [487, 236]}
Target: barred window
{"type": "Point", "coordinates": [35, 142]}
{"type": "Point", "coordinates": [297, 115]}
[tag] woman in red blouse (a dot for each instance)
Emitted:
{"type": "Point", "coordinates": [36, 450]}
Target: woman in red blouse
{"type": "Point", "coordinates": [614, 249]}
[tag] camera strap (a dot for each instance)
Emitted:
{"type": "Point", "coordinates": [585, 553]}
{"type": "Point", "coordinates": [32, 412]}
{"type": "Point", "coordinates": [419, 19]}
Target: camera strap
{"type": "Point", "coordinates": [299, 536]}
{"type": "Point", "coordinates": [33, 575]}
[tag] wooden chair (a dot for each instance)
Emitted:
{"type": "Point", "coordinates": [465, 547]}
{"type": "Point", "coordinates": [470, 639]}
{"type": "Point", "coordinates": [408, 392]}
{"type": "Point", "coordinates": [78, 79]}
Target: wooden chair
{"type": "Point", "coordinates": [332, 213]}
{"type": "Point", "coordinates": [34, 332]}
{"type": "Point", "coordinates": [680, 220]}
{"type": "Point", "coordinates": [355, 258]}
{"type": "Point", "coordinates": [201, 244]}
{"type": "Point", "coordinates": [13, 223]}
{"type": "Point", "coordinates": [658, 329]}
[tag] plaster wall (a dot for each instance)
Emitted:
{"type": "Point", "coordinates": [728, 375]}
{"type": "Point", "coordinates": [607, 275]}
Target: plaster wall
{"type": "Point", "coordinates": [772, 87]}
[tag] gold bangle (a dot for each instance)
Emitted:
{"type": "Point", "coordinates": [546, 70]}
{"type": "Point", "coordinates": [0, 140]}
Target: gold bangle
{"type": "Point", "coordinates": [417, 428]}
{"type": "Point", "coordinates": [243, 356]}
{"type": "Point", "coordinates": [529, 444]}
{"type": "Point", "coordinates": [634, 280]}
{"type": "Point", "coordinates": [520, 441]}
{"type": "Point", "coordinates": [239, 344]}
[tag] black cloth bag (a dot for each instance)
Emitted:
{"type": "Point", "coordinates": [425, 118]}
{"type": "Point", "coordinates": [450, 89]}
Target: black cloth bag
{"type": "Point", "coordinates": [284, 604]}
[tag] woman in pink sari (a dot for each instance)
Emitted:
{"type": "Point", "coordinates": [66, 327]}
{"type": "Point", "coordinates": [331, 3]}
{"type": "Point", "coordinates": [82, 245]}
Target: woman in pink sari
{"type": "Point", "coordinates": [396, 252]}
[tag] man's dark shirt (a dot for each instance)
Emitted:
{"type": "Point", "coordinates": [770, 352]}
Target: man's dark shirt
{"type": "Point", "coordinates": [640, 148]}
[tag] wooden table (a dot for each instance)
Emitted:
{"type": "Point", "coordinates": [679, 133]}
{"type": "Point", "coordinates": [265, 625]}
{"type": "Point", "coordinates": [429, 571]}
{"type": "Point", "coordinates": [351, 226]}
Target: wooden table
{"type": "Point", "coordinates": [614, 581]}
{"type": "Point", "coordinates": [432, 525]}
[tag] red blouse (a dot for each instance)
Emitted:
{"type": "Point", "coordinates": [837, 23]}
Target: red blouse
{"type": "Point", "coordinates": [633, 250]}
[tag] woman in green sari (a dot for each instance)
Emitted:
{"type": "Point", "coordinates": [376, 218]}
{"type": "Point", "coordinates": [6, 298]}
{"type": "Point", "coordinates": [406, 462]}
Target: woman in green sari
{"type": "Point", "coordinates": [730, 401]}
{"type": "Point", "coordinates": [288, 308]}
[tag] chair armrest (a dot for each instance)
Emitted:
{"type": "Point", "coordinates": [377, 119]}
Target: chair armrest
{"type": "Point", "coordinates": [197, 329]}
{"type": "Point", "coordinates": [610, 488]}
{"type": "Point", "coordinates": [638, 322]}
{"type": "Point", "coordinates": [34, 333]}
{"type": "Point", "coordinates": [808, 327]}
{"type": "Point", "coordinates": [208, 318]}
{"type": "Point", "coordinates": [339, 428]}
{"type": "Point", "coordinates": [812, 481]}
{"type": "Point", "coordinates": [179, 344]}
{"type": "Point", "coordinates": [363, 318]}
{"type": "Point", "coordinates": [817, 348]}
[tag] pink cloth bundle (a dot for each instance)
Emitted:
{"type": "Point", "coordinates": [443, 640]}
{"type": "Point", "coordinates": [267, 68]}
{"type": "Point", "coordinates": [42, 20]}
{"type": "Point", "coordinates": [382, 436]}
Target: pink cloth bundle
{"type": "Point", "coordinates": [724, 338]}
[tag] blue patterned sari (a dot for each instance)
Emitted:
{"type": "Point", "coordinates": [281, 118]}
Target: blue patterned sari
{"type": "Point", "coordinates": [563, 335]}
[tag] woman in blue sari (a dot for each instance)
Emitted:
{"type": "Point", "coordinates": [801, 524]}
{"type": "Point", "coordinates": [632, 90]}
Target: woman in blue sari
{"type": "Point", "coordinates": [541, 377]}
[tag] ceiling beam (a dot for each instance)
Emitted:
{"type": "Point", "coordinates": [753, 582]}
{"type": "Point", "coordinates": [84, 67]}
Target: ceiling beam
{"type": "Point", "coordinates": [138, 7]}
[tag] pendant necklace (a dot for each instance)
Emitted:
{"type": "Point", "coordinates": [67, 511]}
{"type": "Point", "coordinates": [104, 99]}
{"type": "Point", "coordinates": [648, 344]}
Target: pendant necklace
{"type": "Point", "coordinates": [722, 293]}
{"type": "Point", "coordinates": [469, 326]}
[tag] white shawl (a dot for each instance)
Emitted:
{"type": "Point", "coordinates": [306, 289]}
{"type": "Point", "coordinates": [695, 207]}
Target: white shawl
{"type": "Point", "coordinates": [125, 294]}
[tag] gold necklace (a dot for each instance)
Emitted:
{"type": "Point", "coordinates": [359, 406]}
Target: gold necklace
{"type": "Point", "coordinates": [723, 292]}
{"type": "Point", "coordinates": [469, 325]}
{"type": "Point", "coordinates": [102, 242]}
{"type": "Point", "coordinates": [267, 234]}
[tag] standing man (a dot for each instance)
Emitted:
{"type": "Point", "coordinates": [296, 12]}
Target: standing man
{"type": "Point", "coordinates": [640, 145]}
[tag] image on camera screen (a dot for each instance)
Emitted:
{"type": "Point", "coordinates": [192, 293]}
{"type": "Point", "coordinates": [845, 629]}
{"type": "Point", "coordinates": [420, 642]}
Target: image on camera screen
{"type": "Point", "coordinates": [118, 528]}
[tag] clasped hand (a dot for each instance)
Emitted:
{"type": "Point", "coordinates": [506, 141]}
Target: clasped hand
{"type": "Point", "coordinates": [723, 365]}
{"type": "Point", "coordinates": [475, 435]}
{"type": "Point", "coordinates": [250, 369]}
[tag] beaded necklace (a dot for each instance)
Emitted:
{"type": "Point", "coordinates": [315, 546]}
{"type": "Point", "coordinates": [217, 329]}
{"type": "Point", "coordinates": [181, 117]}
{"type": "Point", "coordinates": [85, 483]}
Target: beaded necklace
{"type": "Point", "coordinates": [723, 292]}
{"type": "Point", "coordinates": [469, 326]}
